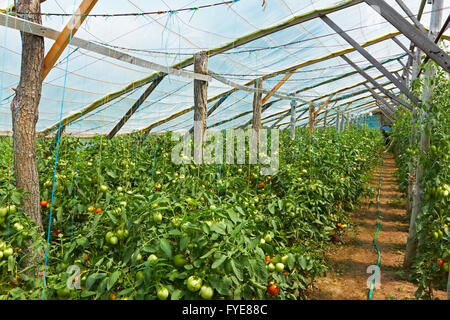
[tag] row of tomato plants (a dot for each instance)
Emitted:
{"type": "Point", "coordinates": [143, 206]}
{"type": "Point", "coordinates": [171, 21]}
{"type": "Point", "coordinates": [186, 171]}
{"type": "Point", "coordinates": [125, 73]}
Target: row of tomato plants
{"type": "Point", "coordinates": [430, 267]}
{"type": "Point", "coordinates": [139, 226]}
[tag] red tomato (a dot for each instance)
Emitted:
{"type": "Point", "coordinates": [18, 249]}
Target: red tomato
{"type": "Point", "coordinates": [44, 204]}
{"type": "Point", "coordinates": [273, 289]}
{"type": "Point", "coordinates": [261, 184]}
{"type": "Point", "coordinates": [98, 210]}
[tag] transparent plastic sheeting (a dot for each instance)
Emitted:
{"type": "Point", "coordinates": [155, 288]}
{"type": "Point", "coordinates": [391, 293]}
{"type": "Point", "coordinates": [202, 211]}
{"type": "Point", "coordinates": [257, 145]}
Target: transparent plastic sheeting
{"type": "Point", "coordinates": [169, 38]}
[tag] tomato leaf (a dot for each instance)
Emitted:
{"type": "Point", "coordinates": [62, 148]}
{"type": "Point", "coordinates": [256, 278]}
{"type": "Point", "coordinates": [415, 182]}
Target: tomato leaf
{"type": "Point", "coordinates": [165, 247]}
{"type": "Point", "coordinates": [218, 262]}
{"type": "Point", "coordinates": [184, 242]}
{"type": "Point", "coordinates": [237, 271]}
{"type": "Point", "coordinates": [112, 280]}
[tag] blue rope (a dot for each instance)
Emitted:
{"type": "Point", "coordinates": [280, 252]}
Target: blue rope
{"type": "Point", "coordinates": [56, 163]}
{"type": "Point", "coordinates": [376, 233]}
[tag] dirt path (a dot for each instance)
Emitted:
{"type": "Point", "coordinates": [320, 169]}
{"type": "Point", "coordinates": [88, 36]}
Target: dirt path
{"type": "Point", "coordinates": [347, 277]}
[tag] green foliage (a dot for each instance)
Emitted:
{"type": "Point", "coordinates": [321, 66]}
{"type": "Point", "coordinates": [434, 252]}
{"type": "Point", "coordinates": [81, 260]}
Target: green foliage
{"type": "Point", "coordinates": [433, 219]}
{"type": "Point", "coordinates": [214, 217]}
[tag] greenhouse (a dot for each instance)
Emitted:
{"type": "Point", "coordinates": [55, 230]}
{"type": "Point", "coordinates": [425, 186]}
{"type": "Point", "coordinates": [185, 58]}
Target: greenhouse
{"type": "Point", "coordinates": [224, 150]}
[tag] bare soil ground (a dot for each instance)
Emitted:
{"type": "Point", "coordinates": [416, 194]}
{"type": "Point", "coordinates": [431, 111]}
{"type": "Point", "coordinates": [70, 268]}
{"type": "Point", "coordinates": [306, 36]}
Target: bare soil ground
{"type": "Point", "coordinates": [347, 277]}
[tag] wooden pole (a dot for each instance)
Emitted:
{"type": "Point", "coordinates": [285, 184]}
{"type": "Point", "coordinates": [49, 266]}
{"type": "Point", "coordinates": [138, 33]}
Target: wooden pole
{"type": "Point", "coordinates": [424, 144]}
{"type": "Point", "coordinates": [256, 120]}
{"type": "Point", "coordinates": [311, 117]}
{"type": "Point", "coordinates": [64, 37]}
{"type": "Point", "coordinates": [24, 112]}
{"type": "Point", "coordinates": [338, 114]}
{"type": "Point", "coordinates": [200, 105]}
{"type": "Point", "coordinates": [293, 118]}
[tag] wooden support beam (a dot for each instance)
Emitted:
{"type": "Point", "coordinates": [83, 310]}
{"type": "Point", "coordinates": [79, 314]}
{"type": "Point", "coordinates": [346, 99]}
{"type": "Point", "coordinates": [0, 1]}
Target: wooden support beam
{"type": "Point", "coordinates": [333, 93]}
{"type": "Point", "coordinates": [293, 120]}
{"type": "Point", "coordinates": [135, 106]}
{"type": "Point", "coordinates": [377, 85]}
{"type": "Point", "coordinates": [418, 37]}
{"type": "Point", "coordinates": [401, 45]}
{"type": "Point", "coordinates": [277, 86]}
{"type": "Point", "coordinates": [214, 108]}
{"type": "Point", "coordinates": [66, 34]}
{"type": "Point", "coordinates": [200, 106]}
{"type": "Point", "coordinates": [137, 84]}
{"type": "Point", "coordinates": [413, 243]}
{"type": "Point", "coordinates": [371, 59]}
{"type": "Point", "coordinates": [411, 16]}
{"type": "Point", "coordinates": [256, 120]}
{"type": "Point", "coordinates": [312, 117]}
{"type": "Point", "coordinates": [441, 33]}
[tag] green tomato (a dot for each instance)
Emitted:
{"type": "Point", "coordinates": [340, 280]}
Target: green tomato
{"type": "Point", "coordinates": [206, 292]}
{"type": "Point", "coordinates": [152, 259]}
{"type": "Point", "coordinates": [162, 293]}
{"type": "Point", "coordinates": [445, 267]}
{"type": "Point", "coordinates": [179, 260]}
{"type": "Point", "coordinates": [157, 217]}
{"type": "Point", "coordinates": [436, 235]}
{"type": "Point", "coordinates": [8, 252]}
{"type": "Point", "coordinates": [139, 275]}
{"type": "Point", "coordinates": [194, 283]}
{"type": "Point", "coordinates": [268, 237]}
{"type": "Point", "coordinates": [108, 236]}
{"type": "Point", "coordinates": [284, 259]}
{"type": "Point", "coordinates": [18, 226]}
{"type": "Point", "coordinates": [103, 188]}
{"type": "Point", "coordinates": [114, 240]}
{"type": "Point", "coordinates": [120, 234]}
{"type": "Point", "coordinates": [12, 209]}
{"type": "Point", "coordinates": [138, 257]}
{"type": "Point", "coordinates": [279, 267]}
{"type": "Point", "coordinates": [176, 221]}
{"type": "Point", "coordinates": [1, 255]}
{"type": "Point", "coordinates": [3, 212]}
{"type": "Point", "coordinates": [120, 189]}
{"type": "Point", "coordinates": [271, 267]}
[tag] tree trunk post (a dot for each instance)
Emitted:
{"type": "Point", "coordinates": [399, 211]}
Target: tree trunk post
{"type": "Point", "coordinates": [200, 105]}
{"type": "Point", "coordinates": [424, 144]}
{"type": "Point", "coordinates": [338, 118]}
{"type": "Point", "coordinates": [24, 109]}
{"type": "Point", "coordinates": [256, 123]}
{"type": "Point", "coordinates": [312, 118]}
{"type": "Point", "coordinates": [293, 116]}
{"type": "Point", "coordinates": [325, 120]}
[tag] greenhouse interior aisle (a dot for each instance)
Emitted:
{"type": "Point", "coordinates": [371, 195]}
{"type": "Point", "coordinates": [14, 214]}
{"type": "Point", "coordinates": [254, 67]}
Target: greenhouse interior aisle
{"type": "Point", "coordinates": [347, 279]}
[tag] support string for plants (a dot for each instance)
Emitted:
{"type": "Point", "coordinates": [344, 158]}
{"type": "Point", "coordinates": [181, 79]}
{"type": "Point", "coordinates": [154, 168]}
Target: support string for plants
{"type": "Point", "coordinates": [56, 163]}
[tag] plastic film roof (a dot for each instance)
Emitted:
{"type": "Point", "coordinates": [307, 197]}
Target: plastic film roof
{"type": "Point", "coordinates": [169, 38]}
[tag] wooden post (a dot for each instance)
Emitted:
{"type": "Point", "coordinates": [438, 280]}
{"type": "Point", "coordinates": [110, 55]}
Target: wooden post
{"type": "Point", "coordinates": [64, 37]}
{"type": "Point", "coordinates": [412, 139]}
{"type": "Point", "coordinates": [325, 119]}
{"type": "Point", "coordinates": [338, 118]}
{"type": "Point", "coordinates": [24, 112]}
{"type": "Point", "coordinates": [200, 105]}
{"type": "Point", "coordinates": [312, 117]}
{"type": "Point", "coordinates": [293, 118]}
{"type": "Point", "coordinates": [424, 144]}
{"type": "Point", "coordinates": [256, 123]}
